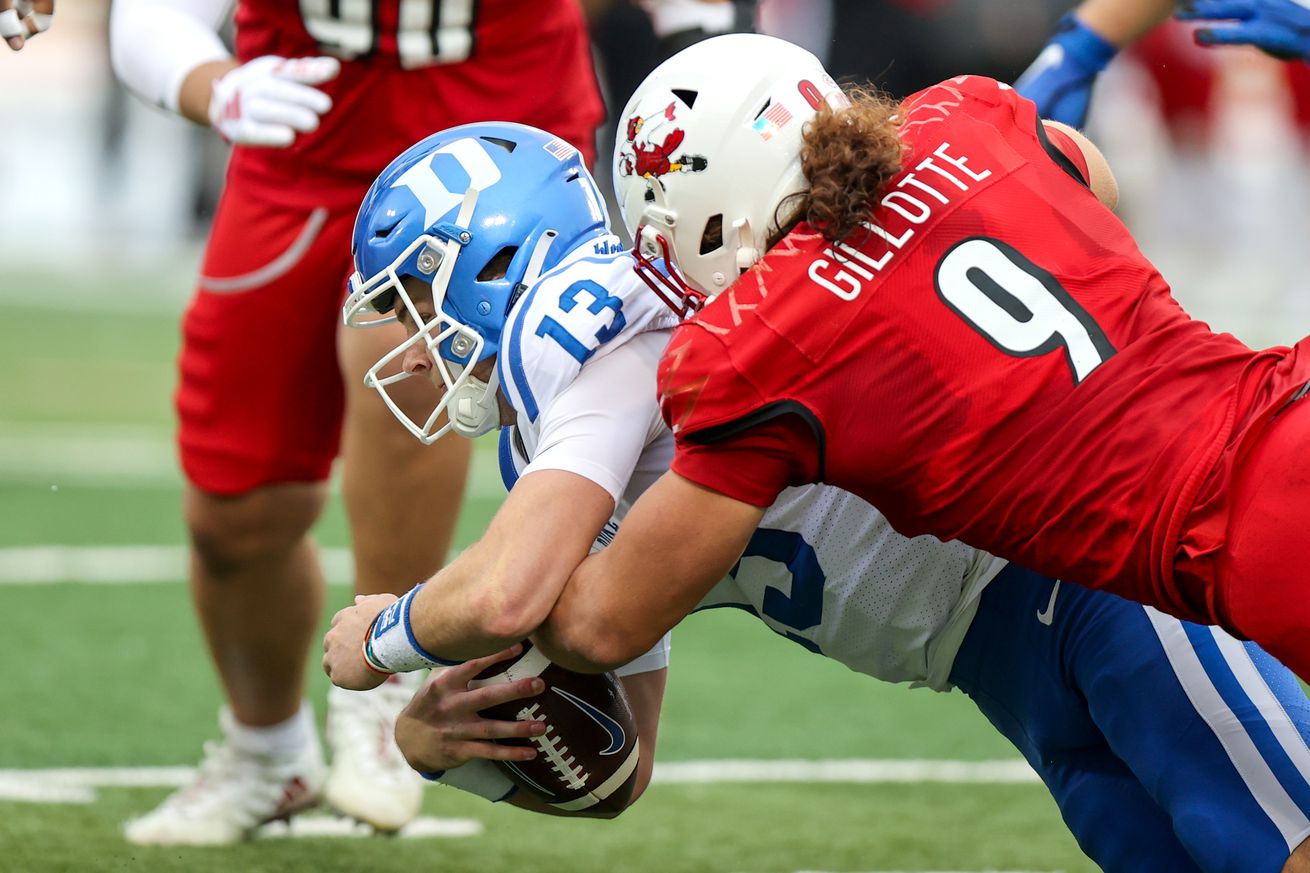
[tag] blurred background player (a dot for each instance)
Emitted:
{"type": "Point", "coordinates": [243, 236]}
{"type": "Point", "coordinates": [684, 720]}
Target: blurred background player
{"type": "Point", "coordinates": [21, 20]}
{"type": "Point", "coordinates": [1109, 702]}
{"type": "Point", "coordinates": [1060, 79]}
{"type": "Point", "coordinates": [1211, 146]}
{"type": "Point", "coordinates": [317, 99]}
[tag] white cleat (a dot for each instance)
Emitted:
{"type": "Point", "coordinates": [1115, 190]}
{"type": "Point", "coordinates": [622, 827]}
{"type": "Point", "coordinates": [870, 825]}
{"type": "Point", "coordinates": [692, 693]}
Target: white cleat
{"type": "Point", "coordinates": [370, 780]}
{"type": "Point", "coordinates": [233, 793]}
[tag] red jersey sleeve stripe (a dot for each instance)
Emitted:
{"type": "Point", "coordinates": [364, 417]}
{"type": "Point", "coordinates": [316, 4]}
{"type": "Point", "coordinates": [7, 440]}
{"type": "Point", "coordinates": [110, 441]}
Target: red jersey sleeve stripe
{"type": "Point", "coordinates": [1065, 152]}
{"type": "Point", "coordinates": [754, 458]}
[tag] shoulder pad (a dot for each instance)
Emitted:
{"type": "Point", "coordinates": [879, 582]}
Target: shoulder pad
{"type": "Point", "coordinates": [698, 385]}
{"type": "Point", "coordinates": [975, 94]}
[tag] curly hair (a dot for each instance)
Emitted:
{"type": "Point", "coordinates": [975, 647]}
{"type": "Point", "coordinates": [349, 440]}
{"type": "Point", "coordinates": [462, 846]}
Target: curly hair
{"type": "Point", "coordinates": [848, 154]}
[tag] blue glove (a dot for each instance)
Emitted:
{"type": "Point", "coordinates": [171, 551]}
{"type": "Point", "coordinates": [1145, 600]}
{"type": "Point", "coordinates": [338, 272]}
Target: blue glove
{"type": "Point", "coordinates": [1060, 80]}
{"type": "Point", "coordinates": [1278, 27]}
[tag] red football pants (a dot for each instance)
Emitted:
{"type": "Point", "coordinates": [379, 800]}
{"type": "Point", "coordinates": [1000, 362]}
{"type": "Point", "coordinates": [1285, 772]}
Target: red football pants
{"type": "Point", "coordinates": [260, 395]}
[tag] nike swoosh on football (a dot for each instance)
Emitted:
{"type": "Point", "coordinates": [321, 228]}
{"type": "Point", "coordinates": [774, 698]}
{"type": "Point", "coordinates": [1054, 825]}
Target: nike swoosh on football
{"type": "Point", "coordinates": [1049, 615]}
{"type": "Point", "coordinates": [611, 727]}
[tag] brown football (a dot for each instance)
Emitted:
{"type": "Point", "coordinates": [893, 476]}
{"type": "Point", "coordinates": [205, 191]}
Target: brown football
{"type": "Point", "coordinates": [587, 758]}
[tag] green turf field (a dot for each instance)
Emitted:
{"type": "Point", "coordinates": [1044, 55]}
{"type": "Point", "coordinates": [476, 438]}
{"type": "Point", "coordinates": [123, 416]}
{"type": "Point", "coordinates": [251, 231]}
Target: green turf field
{"type": "Point", "coordinates": [111, 679]}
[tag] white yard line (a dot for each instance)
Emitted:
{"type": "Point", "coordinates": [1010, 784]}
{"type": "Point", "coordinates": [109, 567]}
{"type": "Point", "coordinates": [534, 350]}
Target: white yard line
{"type": "Point", "coordinates": [78, 784]}
{"type": "Point", "coordinates": [857, 770]}
{"type": "Point", "coordinates": [129, 565]}
{"type": "Point", "coordinates": [123, 565]}
{"type": "Point", "coordinates": [421, 828]}
{"type": "Point", "coordinates": [115, 456]}
{"type": "Point", "coordinates": [87, 456]}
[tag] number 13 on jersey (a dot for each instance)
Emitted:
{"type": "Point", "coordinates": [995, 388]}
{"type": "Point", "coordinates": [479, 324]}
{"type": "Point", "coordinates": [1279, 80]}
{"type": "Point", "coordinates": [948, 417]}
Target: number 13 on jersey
{"type": "Point", "coordinates": [601, 300]}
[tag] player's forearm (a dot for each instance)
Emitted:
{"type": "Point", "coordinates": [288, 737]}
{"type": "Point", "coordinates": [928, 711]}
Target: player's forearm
{"type": "Point", "coordinates": [471, 608]}
{"type": "Point", "coordinates": [500, 589]}
{"type": "Point", "coordinates": [580, 634]}
{"type": "Point", "coordinates": [1123, 22]}
{"type": "Point", "coordinates": [613, 610]}
{"type": "Point", "coordinates": [198, 86]}
{"type": "Point", "coordinates": [158, 46]}
{"type": "Point", "coordinates": [675, 544]}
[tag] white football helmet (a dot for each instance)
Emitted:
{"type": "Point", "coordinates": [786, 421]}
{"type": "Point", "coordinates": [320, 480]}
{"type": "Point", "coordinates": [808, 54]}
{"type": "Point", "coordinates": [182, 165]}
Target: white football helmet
{"type": "Point", "coordinates": [708, 148]}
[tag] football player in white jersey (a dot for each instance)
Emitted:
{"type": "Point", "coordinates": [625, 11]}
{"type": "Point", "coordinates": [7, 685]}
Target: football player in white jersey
{"type": "Point", "coordinates": [1168, 746]}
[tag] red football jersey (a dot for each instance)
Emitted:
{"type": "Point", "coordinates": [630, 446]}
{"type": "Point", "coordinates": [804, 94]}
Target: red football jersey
{"type": "Point", "coordinates": [994, 361]}
{"type": "Point", "coordinates": [412, 68]}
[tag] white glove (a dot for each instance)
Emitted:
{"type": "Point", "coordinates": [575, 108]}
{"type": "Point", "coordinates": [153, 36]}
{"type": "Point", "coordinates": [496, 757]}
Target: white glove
{"type": "Point", "coordinates": [21, 20]}
{"type": "Point", "coordinates": [267, 101]}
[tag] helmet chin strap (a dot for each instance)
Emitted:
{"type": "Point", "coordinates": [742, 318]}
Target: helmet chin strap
{"type": "Point", "coordinates": [473, 408]}
{"type": "Point", "coordinates": [747, 253]}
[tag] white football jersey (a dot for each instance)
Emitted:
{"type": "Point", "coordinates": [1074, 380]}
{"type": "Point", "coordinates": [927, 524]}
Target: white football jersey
{"type": "Point", "coordinates": [578, 362]}
{"type": "Point", "coordinates": [600, 420]}
{"type": "Point", "coordinates": [826, 570]}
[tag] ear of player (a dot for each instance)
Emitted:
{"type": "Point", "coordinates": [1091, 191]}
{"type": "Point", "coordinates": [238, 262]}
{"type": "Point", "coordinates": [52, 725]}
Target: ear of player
{"type": "Point", "coordinates": [21, 20]}
{"type": "Point", "coordinates": [587, 758]}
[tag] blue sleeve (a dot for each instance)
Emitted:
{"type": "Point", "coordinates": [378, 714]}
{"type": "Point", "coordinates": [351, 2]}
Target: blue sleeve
{"type": "Point", "coordinates": [1060, 80]}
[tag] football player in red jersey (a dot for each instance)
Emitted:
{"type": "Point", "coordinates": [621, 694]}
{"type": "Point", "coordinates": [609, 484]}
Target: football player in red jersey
{"type": "Point", "coordinates": [1098, 692]}
{"type": "Point", "coordinates": [318, 99]}
{"type": "Point", "coordinates": [962, 333]}
{"type": "Point", "coordinates": [930, 305]}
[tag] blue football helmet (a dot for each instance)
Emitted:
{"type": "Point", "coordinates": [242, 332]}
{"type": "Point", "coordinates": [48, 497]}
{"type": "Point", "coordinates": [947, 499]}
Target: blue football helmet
{"type": "Point", "coordinates": [441, 213]}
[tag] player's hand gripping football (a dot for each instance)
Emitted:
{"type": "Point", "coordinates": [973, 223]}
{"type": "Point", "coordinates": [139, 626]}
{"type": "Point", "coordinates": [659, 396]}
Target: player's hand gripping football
{"type": "Point", "coordinates": [1278, 27]}
{"type": "Point", "coordinates": [270, 100]}
{"type": "Point", "coordinates": [21, 20]}
{"type": "Point", "coordinates": [1060, 80]}
{"type": "Point", "coordinates": [343, 658]}
{"type": "Point", "coordinates": [440, 727]}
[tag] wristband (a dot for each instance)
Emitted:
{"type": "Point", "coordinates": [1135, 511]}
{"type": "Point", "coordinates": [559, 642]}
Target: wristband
{"type": "Point", "coordinates": [1082, 44]}
{"type": "Point", "coordinates": [369, 660]}
{"type": "Point", "coordinates": [390, 645]}
{"type": "Point", "coordinates": [478, 776]}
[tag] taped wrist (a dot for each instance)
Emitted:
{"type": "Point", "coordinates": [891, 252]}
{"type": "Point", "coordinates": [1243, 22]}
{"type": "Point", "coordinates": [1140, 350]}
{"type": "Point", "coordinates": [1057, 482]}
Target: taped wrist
{"type": "Point", "coordinates": [390, 645]}
{"type": "Point", "coordinates": [1084, 46]}
{"type": "Point", "coordinates": [10, 24]}
{"type": "Point", "coordinates": [480, 777]}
